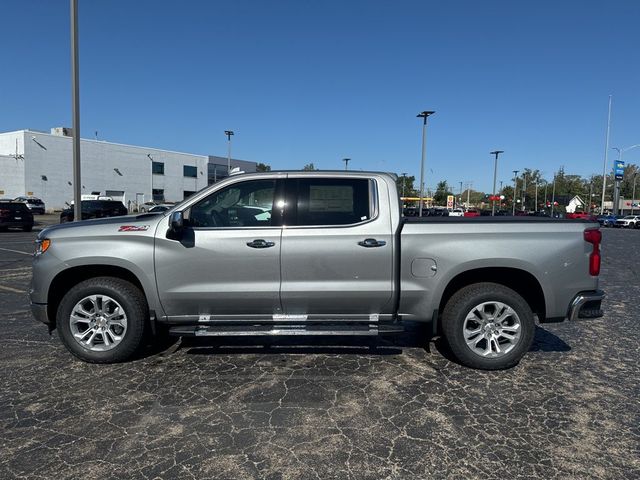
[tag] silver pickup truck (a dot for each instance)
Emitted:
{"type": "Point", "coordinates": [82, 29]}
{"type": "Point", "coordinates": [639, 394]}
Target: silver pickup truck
{"type": "Point", "coordinates": [312, 253]}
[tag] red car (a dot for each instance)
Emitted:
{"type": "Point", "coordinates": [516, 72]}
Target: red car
{"type": "Point", "coordinates": [581, 216]}
{"type": "Point", "coordinates": [471, 213]}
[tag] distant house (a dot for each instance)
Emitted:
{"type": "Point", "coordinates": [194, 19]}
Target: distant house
{"type": "Point", "coordinates": [575, 204]}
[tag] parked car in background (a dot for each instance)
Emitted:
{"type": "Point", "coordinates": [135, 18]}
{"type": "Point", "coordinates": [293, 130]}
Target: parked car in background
{"type": "Point", "coordinates": [95, 209]}
{"type": "Point", "coordinates": [471, 213]}
{"type": "Point", "coordinates": [146, 206]}
{"type": "Point", "coordinates": [607, 220]}
{"type": "Point", "coordinates": [160, 208]}
{"type": "Point", "coordinates": [628, 221]}
{"type": "Point", "coordinates": [456, 212]}
{"type": "Point", "coordinates": [581, 216]}
{"type": "Point", "coordinates": [35, 205]}
{"type": "Point", "coordinates": [15, 215]}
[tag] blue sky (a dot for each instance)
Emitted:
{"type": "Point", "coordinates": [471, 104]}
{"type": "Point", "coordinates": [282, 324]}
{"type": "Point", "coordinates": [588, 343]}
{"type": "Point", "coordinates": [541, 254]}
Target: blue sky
{"type": "Point", "coordinates": [317, 81]}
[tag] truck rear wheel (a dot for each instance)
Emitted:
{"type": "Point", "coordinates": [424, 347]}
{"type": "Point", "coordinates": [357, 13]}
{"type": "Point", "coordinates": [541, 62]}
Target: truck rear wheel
{"type": "Point", "coordinates": [102, 320]}
{"type": "Point", "coordinates": [488, 326]}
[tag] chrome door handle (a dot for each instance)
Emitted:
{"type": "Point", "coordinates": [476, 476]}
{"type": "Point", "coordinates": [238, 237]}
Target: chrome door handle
{"type": "Point", "coordinates": [260, 243]}
{"type": "Point", "coordinates": [371, 243]}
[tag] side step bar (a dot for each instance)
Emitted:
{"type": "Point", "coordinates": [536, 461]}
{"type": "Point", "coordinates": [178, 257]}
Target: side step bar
{"type": "Point", "coordinates": [324, 329]}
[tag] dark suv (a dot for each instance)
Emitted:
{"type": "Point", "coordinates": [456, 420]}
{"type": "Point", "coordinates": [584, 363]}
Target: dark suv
{"type": "Point", "coordinates": [96, 209]}
{"type": "Point", "coordinates": [35, 205]}
{"type": "Point", "coordinates": [15, 215]}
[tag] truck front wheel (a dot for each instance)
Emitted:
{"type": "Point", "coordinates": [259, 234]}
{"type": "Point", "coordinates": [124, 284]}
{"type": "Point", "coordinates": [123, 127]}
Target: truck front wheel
{"type": "Point", "coordinates": [102, 320]}
{"type": "Point", "coordinates": [488, 326]}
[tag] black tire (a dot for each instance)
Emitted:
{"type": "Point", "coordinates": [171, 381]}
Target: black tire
{"type": "Point", "coordinates": [27, 228]}
{"type": "Point", "coordinates": [461, 304]}
{"type": "Point", "coordinates": [134, 305]}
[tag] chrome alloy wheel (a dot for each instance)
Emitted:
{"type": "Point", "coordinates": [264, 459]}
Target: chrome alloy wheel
{"type": "Point", "coordinates": [98, 323]}
{"type": "Point", "coordinates": [491, 329]}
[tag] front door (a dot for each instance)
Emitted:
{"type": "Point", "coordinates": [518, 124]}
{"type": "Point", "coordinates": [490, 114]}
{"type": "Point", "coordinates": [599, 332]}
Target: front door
{"type": "Point", "coordinates": [227, 263]}
{"type": "Point", "coordinates": [337, 249]}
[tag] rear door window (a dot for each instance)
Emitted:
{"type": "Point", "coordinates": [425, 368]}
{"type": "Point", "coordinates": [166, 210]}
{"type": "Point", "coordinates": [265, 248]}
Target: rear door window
{"type": "Point", "coordinates": [329, 201]}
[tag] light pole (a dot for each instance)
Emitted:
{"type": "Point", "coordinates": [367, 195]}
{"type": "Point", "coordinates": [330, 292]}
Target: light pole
{"type": "Point", "coordinates": [495, 172]}
{"type": "Point", "coordinates": [469, 185]}
{"type": "Point", "coordinates": [460, 196]}
{"type": "Point", "coordinates": [515, 191]}
{"type": "Point", "coordinates": [151, 160]}
{"type": "Point", "coordinates": [553, 194]}
{"type": "Point", "coordinates": [404, 181]}
{"type": "Point", "coordinates": [616, 192]}
{"type": "Point", "coordinates": [229, 133]}
{"type": "Point", "coordinates": [346, 163]}
{"type": "Point", "coordinates": [524, 190]}
{"type": "Point", "coordinates": [633, 194]}
{"type": "Point", "coordinates": [424, 115]}
{"type": "Point", "coordinates": [606, 156]}
{"type": "Point", "coordinates": [536, 205]}
{"type": "Point", "coordinates": [75, 110]}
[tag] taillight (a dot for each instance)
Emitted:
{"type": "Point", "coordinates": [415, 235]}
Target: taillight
{"type": "Point", "coordinates": [594, 237]}
{"type": "Point", "coordinates": [5, 213]}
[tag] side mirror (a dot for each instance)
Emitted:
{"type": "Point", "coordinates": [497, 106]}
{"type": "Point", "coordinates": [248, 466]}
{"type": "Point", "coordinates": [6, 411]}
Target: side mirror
{"type": "Point", "coordinates": [176, 223]}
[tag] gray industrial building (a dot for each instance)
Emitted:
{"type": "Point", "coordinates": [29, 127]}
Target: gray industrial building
{"type": "Point", "coordinates": [39, 164]}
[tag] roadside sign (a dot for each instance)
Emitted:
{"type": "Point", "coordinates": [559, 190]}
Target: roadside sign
{"type": "Point", "coordinates": [449, 201]}
{"type": "Point", "coordinates": [618, 169]}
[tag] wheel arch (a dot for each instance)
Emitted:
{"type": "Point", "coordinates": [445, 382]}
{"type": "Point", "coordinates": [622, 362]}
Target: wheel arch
{"type": "Point", "coordinates": [521, 281]}
{"type": "Point", "coordinates": [72, 276]}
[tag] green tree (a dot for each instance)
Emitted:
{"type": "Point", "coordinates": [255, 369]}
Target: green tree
{"type": "Point", "coordinates": [442, 191]}
{"type": "Point", "coordinates": [309, 167]}
{"type": "Point", "coordinates": [263, 167]}
{"type": "Point", "coordinates": [405, 186]}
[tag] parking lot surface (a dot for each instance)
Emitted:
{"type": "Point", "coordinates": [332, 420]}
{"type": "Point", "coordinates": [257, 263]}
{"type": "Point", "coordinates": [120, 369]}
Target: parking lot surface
{"type": "Point", "coordinates": [394, 408]}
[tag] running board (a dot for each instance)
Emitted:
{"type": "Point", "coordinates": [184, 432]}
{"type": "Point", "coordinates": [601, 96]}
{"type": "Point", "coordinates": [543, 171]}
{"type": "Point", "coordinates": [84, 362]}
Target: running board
{"type": "Point", "coordinates": [318, 329]}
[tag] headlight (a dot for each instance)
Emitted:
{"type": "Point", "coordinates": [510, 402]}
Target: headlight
{"type": "Point", "coordinates": [42, 246]}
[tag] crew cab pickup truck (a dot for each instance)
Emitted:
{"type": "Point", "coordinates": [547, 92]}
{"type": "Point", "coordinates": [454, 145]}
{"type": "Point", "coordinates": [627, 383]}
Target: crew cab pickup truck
{"type": "Point", "coordinates": [312, 253]}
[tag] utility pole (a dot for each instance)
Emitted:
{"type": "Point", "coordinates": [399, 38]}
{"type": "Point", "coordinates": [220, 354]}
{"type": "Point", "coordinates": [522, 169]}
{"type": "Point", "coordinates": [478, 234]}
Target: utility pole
{"type": "Point", "coordinates": [553, 194]}
{"type": "Point", "coordinates": [75, 108]}
{"type": "Point", "coordinates": [346, 163]}
{"type": "Point", "coordinates": [536, 205]}
{"type": "Point", "coordinates": [229, 133]}
{"type": "Point", "coordinates": [633, 194]}
{"type": "Point", "coordinates": [469, 185]}
{"type": "Point", "coordinates": [606, 157]}
{"type": "Point", "coordinates": [524, 190]}
{"type": "Point", "coordinates": [424, 115]}
{"type": "Point", "coordinates": [460, 196]}
{"type": "Point", "coordinates": [404, 181]}
{"type": "Point", "coordinates": [515, 188]}
{"type": "Point", "coordinates": [495, 172]}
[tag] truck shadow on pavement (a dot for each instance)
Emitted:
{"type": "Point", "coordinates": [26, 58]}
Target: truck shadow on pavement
{"type": "Point", "coordinates": [416, 336]}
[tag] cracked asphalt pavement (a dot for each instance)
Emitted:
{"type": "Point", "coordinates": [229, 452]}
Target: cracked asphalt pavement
{"type": "Point", "coordinates": [394, 407]}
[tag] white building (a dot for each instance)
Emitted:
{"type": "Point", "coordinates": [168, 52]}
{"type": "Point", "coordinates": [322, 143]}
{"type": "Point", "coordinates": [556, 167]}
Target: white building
{"type": "Point", "coordinates": [40, 164]}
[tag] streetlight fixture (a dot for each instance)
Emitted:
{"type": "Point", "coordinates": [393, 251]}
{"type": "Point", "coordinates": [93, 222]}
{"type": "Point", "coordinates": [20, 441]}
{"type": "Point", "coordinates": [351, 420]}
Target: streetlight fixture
{"type": "Point", "coordinates": [229, 133]}
{"type": "Point", "coordinates": [515, 188]}
{"type": "Point", "coordinates": [346, 163]}
{"type": "Point", "coordinates": [424, 115]}
{"type": "Point", "coordinates": [495, 172]}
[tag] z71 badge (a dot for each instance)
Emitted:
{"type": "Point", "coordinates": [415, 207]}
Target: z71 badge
{"type": "Point", "coordinates": [133, 228]}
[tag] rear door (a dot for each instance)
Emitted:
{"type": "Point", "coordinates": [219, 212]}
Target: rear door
{"type": "Point", "coordinates": [337, 248]}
